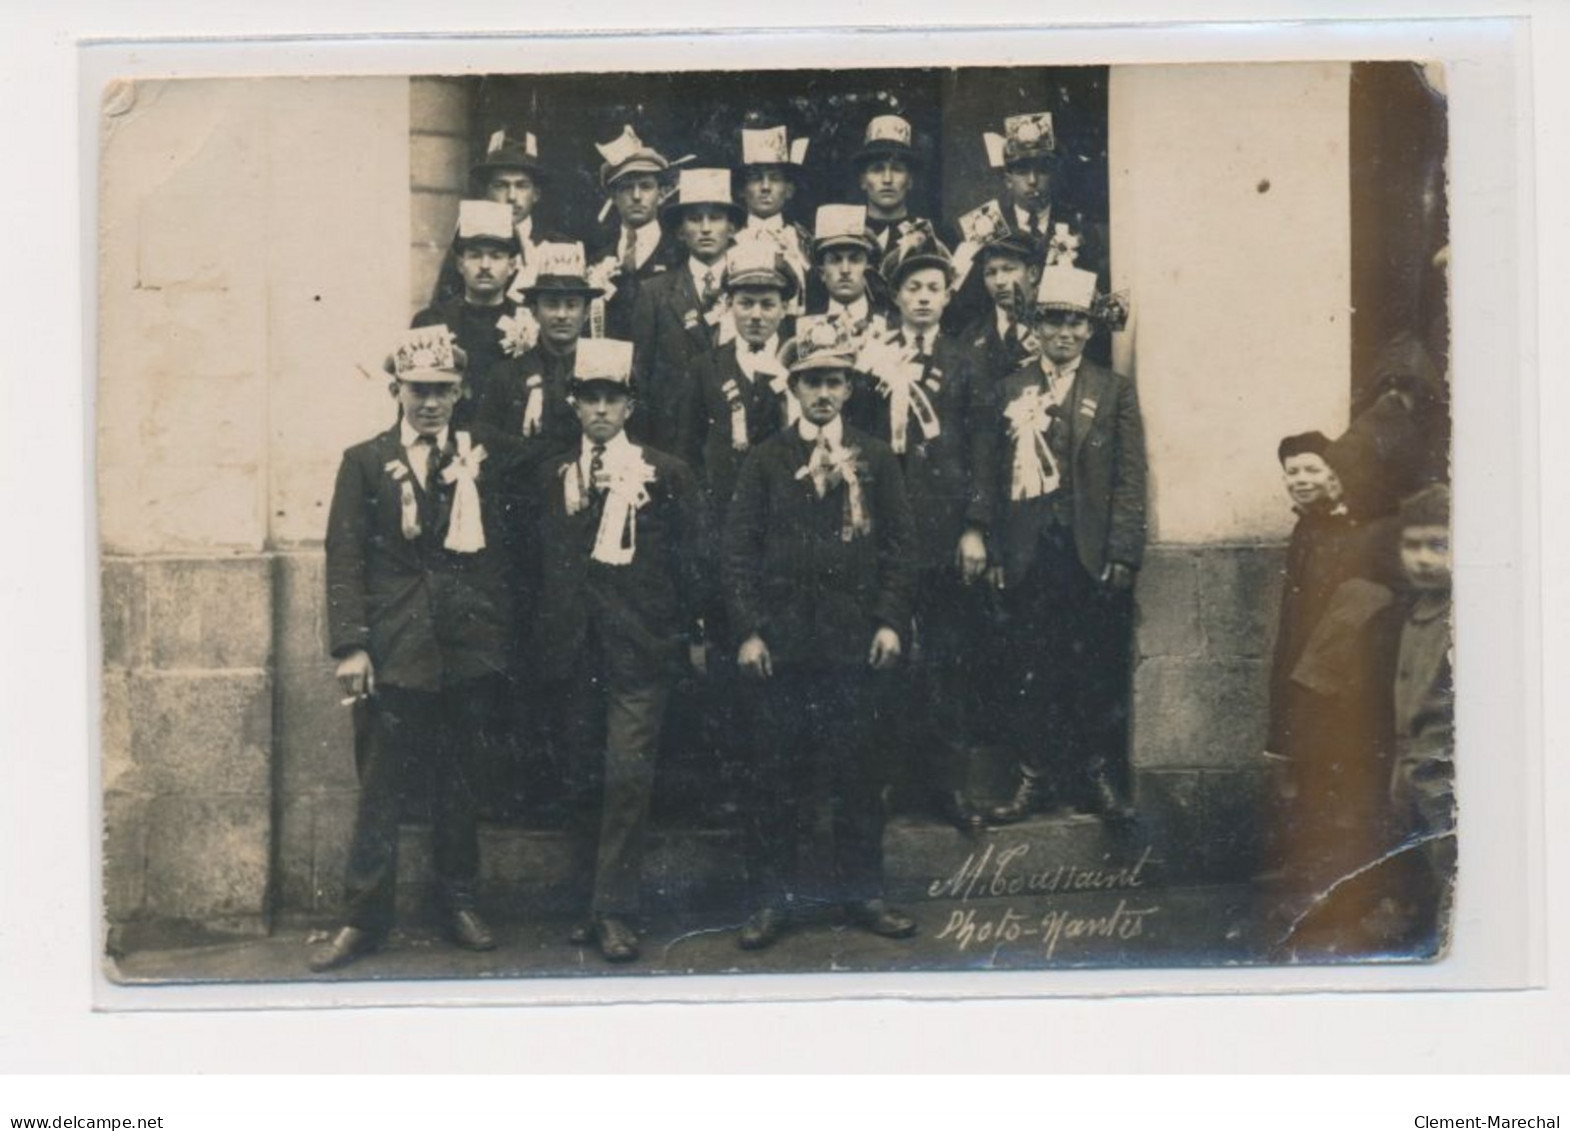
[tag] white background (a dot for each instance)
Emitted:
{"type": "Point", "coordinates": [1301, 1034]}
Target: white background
{"type": "Point", "coordinates": [46, 912]}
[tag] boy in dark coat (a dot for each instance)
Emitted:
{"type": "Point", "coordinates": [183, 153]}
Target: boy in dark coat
{"type": "Point", "coordinates": [636, 179]}
{"type": "Point", "coordinates": [418, 606]}
{"type": "Point", "coordinates": [620, 536]}
{"type": "Point", "coordinates": [819, 572]}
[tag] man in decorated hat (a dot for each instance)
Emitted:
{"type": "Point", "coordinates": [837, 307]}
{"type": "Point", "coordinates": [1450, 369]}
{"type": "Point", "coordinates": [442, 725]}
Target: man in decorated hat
{"type": "Point", "coordinates": [509, 173]}
{"type": "Point", "coordinates": [766, 182]}
{"type": "Point", "coordinates": [635, 179]}
{"type": "Point", "coordinates": [677, 319]}
{"type": "Point", "coordinates": [1068, 492]}
{"type": "Point", "coordinates": [915, 391]}
{"type": "Point", "coordinates": [419, 600]}
{"type": "Point", "coordinates": [1028, 156]}
{"type": "Point", "coordinates": [486, 246]}
{"type": "Point", "coordinates": [850, 292]}
{"type": "Point", "coordinates": [621, 544]}
{"type": "Point", "coordinates": [819, 572]}
{"type": "Point", "coordinates": [886, 166]}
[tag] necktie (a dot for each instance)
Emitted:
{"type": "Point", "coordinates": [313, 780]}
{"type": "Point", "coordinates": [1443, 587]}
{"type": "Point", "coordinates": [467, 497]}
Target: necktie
{"type": "Point", "coordinates": [629, 255]}
{"type": "Point", "coordinates": [597, 470]}
{"type": "Point", "coordinates": [428, 480]}
{"type": "Point", "coordinates": [1035, 225]}
{"type": "Point", "coordinates": [821, 465]}
{"type": "Point", "coordinates": [710, 289]}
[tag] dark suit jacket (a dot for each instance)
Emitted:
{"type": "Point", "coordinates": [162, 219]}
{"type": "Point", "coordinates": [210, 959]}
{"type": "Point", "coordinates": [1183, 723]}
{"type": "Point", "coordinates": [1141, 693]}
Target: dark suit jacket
{"type": "Point", "coordinates": [705, 433]}
{"type": "Point", "coordinates": [477, 335]}
{"type": "Point", "coordinates": [939, 473]}
{"type": "Point", "coordinates": [997, 358]}
{"type": "Point", "coordinates": [1107, 473]}
{"type": "Point", "coordinates": [671, 339]}
{"type": "Point", "coordinates": [429, 617]}
{"type": "Point", "coordinates": [667, 254]}
{"type": "Point", "coordinates": [507, 395]}
{"type": "Point", "coordinates": [642, 612]}
{"type": "Point", "coordinates": [788, 574]}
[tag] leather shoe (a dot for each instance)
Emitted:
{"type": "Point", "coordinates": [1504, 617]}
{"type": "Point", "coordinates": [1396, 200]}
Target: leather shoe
{"type": "Point", "coordinates": [881, 919]}
{"type": "Point", "coordinates": [469, 931]}
{"type": "Point", "coordinates": [962, 814]}
{"type": "Point", "coordinates": [616, 940]}
{"type": "Point", "coordinates": [349, 944]}
{"type": "Point", "coordinates": [1105, 802]}
{"type": "Point", "coordinates": [763, 928]}
{"type": "Point", "coordinates": [1029, 795]}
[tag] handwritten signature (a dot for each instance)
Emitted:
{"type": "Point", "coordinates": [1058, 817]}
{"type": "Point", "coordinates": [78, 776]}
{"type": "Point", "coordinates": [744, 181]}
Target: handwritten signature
{"type": "Point", "coordinates": [1001, 872]}
{"type": "Point", "coordinates": [966, 929]}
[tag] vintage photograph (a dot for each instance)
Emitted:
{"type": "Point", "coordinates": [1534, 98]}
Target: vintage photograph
{"type": "Point", "coordinates": [782, 521]}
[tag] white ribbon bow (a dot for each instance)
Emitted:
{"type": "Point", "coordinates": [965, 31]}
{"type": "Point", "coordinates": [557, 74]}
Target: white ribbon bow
{"type": "Point", "coordinates": [898, 375]}
{"type": "Point", "coordinates": [779, 384]}
{"type": "Point", "coordinates": [534, 407]}
{"type": "Point", "coordinates": [826, 468]}
{"type": "Point", "coordinates": [626, 480]}
{"type": "Point", "coordinates": [465, 527]}
{"type": "Point", "coordinates": [1035, 471]}
{"type": "Point", "coordinates": [738, 415]}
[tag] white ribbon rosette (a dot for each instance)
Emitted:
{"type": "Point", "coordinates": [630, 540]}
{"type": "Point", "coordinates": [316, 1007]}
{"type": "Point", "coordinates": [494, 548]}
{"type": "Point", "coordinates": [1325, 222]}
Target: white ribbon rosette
{"type": "Point", "coordinates": [738, 415]}
{"type": "Point", "coordinates": [519, 332]}
{"type": "Point", "coordinates": [1062, 247]}
{"type": "Point", "coordinates": [1035, 471]}
{"type": "Point", "coordinates": [465, 527]}
{"type": "Point", "coordinates": [827, 468]}
{"type": "Point", "coordinates": [898, 377]}
{"type": "Point", "coordinates": [602, 275]}
{"type": "Point", "coordinates": [626, 479]}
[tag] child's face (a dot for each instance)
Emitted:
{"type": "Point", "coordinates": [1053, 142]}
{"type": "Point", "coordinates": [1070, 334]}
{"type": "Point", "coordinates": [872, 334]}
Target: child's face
{"type": "Point", "coordinates": [1425, 557]}
{"type": "Point", "coordinates": [1309, 479]}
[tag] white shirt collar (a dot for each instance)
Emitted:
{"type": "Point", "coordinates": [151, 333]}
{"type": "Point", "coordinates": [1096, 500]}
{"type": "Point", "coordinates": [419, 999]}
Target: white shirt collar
{"type": "Point", "coordinates": [699, 270]}
{"type": "Point", "coordinates": [749, 359]}
{"type": "Point", "coordinates": [410, 436]}
{"type": "Point", "coordinates": [643, 240]}
{"type": "Point", "coordinates": [616, 445]}
{"type": "Point", "coordinates": [857, 311]}
{"type": "Point", "coordinates": [1065, 373]}
{"type": "Point", "coordinates": [834, 430]}
{"type": "Point", "coordinates": [772, 223]}
{"type": "Point", "coordinates": [1022, 218]}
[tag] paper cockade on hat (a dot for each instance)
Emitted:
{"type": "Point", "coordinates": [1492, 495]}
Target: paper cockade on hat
{"type": "Point", "coordinates": [603, 359]}
{"type": "Point", "coordinates": [485, 220]}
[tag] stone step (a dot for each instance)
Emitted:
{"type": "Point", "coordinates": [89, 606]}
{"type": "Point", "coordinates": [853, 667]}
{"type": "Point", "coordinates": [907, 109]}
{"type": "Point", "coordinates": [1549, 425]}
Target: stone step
{"type": "Point", "coordinates": [528, 872]}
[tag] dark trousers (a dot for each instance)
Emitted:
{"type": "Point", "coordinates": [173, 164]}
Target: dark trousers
{"type": "Point", "coordinates": [606, 732]}
{"type": "Point", "coordinates": [1070, 637]}
{"type": "Point", "coordinates": [405, 736]}
{"type": "Point", "coordinates": [805, 712]}
{"type": "Point", "coordinates": [936, 689]}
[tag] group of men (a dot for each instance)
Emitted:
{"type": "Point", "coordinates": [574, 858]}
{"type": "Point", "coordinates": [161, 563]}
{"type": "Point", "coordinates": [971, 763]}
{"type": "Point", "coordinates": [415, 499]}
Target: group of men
{"type": "Point", "coordinates": [832, 468]}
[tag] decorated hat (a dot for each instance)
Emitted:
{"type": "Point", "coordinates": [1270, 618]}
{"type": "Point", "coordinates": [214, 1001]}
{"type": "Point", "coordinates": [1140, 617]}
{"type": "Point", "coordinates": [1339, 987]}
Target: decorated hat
{"type": "Point", "coordinates": [506, 150]}
{"type": "Point", "coordinates": [1066, 288]}
{"type": "Point", "coordinates": [758, 263]}
{"type": "Point", "coordinates": [702, 186]}
{"type": "Point", "coordinates": [771, 147]}
{"type": "Point", "coordinates": [841, 225]}
{"type": "Point", "coordinates": [820, 343]}
{"type": "Point", "coordinates": [626, 155]}
{"type": "Point", "coordinates": [915, 246]}
{"type": "Point", "coordinates": [485, 221]}
{"type": "Point", "coordinates": [560, 269]}
{"type": "Point", "coordinates": [888, 135]}
{"type": "Point", "coordinates": [989, 230]}
{"type": "Point", "coordinates": [1025, 137]}
{"type": "Point", "coordinates": [427, 354]}
{"type": "Point", "coordinates": [602, 361]}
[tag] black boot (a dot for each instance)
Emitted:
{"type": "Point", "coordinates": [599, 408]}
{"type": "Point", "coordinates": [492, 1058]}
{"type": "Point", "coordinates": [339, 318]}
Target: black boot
{"type": "Point", "coordinates": [1029, 796]}
{"type": "Point", "coordinates": [962, 814]}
